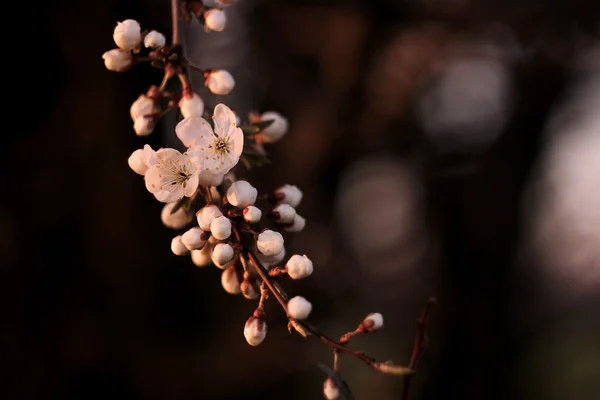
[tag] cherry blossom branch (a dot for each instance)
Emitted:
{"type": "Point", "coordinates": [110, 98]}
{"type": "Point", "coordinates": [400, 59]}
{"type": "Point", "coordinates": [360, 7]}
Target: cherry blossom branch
{"type": "Point", "coordinates": [420, 344]}
{"type": "Point", "coordinates": [175, 21]}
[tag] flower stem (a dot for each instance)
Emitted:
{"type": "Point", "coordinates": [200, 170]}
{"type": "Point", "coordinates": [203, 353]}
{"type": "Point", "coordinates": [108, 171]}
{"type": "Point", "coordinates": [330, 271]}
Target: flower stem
{"type": "Point", "coordinates": [175, 21]}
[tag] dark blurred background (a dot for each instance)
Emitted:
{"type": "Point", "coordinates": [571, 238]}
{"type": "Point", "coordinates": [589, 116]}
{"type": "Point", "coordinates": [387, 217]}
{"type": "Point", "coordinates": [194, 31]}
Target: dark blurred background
{"type": "Point", "coordinates": [445, 147]}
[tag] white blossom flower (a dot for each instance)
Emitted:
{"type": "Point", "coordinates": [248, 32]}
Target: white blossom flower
{"type": "Point", "coordinates": [297, 224]}
{"type": "Point", "coordinates": [252, 214]}
{"type": "Point", "coordinates": [241, 194]}
{"type": "Point", "coordinates": [299, 267]}
{"type": "Point", "coordinates": [193, 238]}
{"type": "Point", "coordinates": [222, 254]}
{"type": "Point", "coordinates": [220, 81]}
{"type": "Point", "coordinates": [299, 308]}
{"type": "Point", "coordinates": [142, 106]}
{"type": "Point", "coordinates": [127, 34]}
{"type": "Point", "coordinates": [215, 19]}
{"type": "Point", "coordinates": [372, 322]}
{"type": "Point", "coordinates": [206, 216]}
{"type": "Point", "coordinates": [330, 390]}
{"type": "Point", "coordinates": [176, 220]}
{"type": "Point", "coordinates": [277, 129]}
{"type": "Point", "coordinates": [288, 194]}
{"type": "Point", "coordinates": [230, 280]}
{"type": "Point", "coordinates": [141, 159]}
{"type": "Point", "coordinates": [219, 150]}
{"type": "Point", "coordinates": [155, 40]}
{"type": "Point", "coordinates": [143, 126]}
{"type": "Point", "coordinates": [221, 227]}
{"type": "Point", "coordinates": [270, 261]}
{"type": "Point", "coordinates": [117, 60]}
{"type": "Point", "coordinates": [284, 213]}
{"type": "Point", "coordinates": [177, 246]}
{"type": "Point", "coordinates": [173, 176]}
{"type": "Point", "coordinates": [202, 258]}
{"type": "Point", "coordinates": [269, 242]}
{"type": "Point", "coordinates": [191, 106]}
{"type": "Point", "coordinates": [255, 331]}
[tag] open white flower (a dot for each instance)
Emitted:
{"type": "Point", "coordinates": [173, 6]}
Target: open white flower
{"type": "Point", "coordinates": [142, 159]}
{"type": "Point", "coordinates": [219, 150]}
{"type": "Point", "coordinates": [173, 176]}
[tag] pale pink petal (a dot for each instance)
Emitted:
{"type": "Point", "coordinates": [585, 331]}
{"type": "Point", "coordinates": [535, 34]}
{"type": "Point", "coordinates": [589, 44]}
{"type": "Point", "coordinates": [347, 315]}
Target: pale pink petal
{"type": "Point", "coordinates": [167, 154]}
{"type": "Point", "coordinates": [148, 156]}
{"type": "Point", "coordinates": [208, 178]}
{"type": "Point", "coordinates": [191, 186]}
{"type": "Point", "coordinates": [224, 119]}
{"type": "Point", "coordinates": [236, 142]}
{"type": "Point", "coordinates": [195, 131]}
{"type": "Point", "coordinates": [166, 196]}
{"type": "Point", "coordinates": [153, 178]}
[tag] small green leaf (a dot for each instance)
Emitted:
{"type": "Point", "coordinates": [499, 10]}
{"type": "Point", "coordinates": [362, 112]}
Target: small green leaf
{"type": "Point", "coordinates": [257, 127]}
{"type": "Point", "coordinates": [180, 203]}
{"type": "Point", "coordinates": [262, 125]}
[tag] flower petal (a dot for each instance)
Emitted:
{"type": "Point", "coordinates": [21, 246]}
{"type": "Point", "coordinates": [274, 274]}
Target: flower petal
{"type": "Point", "coordinates": [154, 177]}
{"type": "Point", "coordinates": [191, 186]}
{"type": "Point", "coordinates": [148, 156]}
{"type": "Point", "coordinates": [194, 131]}
{"type": "Point", "coordinates": [236, 143]}
{"type": "Point", "coordinates": [167, 154]}
{"type": "Point", "coordinates": [168, 197]}
{"type": "Point", "coordinates": [224, 119]}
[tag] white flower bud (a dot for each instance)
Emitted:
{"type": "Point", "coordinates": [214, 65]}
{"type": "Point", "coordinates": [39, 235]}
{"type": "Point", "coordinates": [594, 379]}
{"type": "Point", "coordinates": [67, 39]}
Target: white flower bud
{"type": "Point", "coordinates": [230, 280]}
{"type": "Point", "coordinates": [255, 331]}
{"type": "Point", "coordinates": [215, 19]}
{"type": "Point", "coordinates": [136, 162]}
{"type": "Point", "coordinates": [299, 267]}
{"type": "Point", "coordinates": [176, 220]}
{"type": "Point", "coordinates": [330, 390]}
{"type": "Point", "coordinates": [241, 194]}
{"type": "Point", "coordinates": [143, 126]}
{"type": "Point", "coordinates": [277, 129]}
{"type": "Point", "coordinates": [177, 246]}
{"type": "Point", "coordinates": [127, 34]}
{"type": "Point", "coordinates": [117, 60]}
{"type": "Point", "coordinates": [251, 214]}
{"type": "Point", "coordinates": [284, 213]}
{"type": "Point", "coordinates": [222, 254]}
{"type": "Point", "coordinates": [248, 289]}
{"type": "Point", "coordinates": [192, 239]}
{"type": "Point", "coordinates": [155, 40]}
{"type": "Point", "coordinates": [220, 81]}
{"type": "Point", "coordinates": [271, 261]}
{"type": "Point", "coordinates": [297, 224]}
{"type": "Point", "coordinates": [191, 106]}
{"type": "Point", "coordinates": [269, 242]}
{"type": "Point", "coordinates": [202, 258]}
{"type": "Point", "coordinates": [206, 216]}
{"type": "Point", "coordinates": [299, 308]}
{"type": "Point", "coordinates": [221, 228]}
{"type": "Point", "coordinates": [289, 194]}
{"type": "Point", "coordinates": [372, 322]}
{"type": "Point", "coordinates": [143, 105]}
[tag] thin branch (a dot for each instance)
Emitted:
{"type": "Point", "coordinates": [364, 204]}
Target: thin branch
{"type": "Point", "coordinates": [419, 345]}
{"type": "Point", "coordinates": [175, 21]}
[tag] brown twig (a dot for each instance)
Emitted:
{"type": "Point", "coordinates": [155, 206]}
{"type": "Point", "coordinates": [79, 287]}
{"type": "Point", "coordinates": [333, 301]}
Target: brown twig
{"type": "Point", "coordinates": [175, 21]}
{"type": "Point", "coordinates": [419, 345]}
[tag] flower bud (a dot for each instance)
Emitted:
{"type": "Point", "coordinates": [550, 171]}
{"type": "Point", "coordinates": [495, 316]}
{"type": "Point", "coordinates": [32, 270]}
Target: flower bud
{"type": "Point", "coordinates": [215, 19]}
{"type": "Point", "coordinates": [271, 261]}
{"type": "Point", "coordinates": [136, 162]}
{"type": "Point", "coordinates": [299, 267]}
{"type": "Point", "coordinates": [155, 40]}
{"type": "Point", "coordinates": [202, 258]}
{"type": "Point", "coordinates": [219, 81]}
{"type": "Point", "coordinates": [191, 106]}
{"type": "Point", "coordinates": [255, 330]}
{"type": "Point", "coordinates": [143, 126]}
{"type": "Point", "coordinates": [299, 308]}
{"type": "Point", "coordinates": [127, 34]}
{"type": "Point", "coordinates": [143, 106]}
{"type": "Point", "coordinates": [176, 220]}
{"type": "Point", "coordinates": [241, 194]}
{"type": "Point", "coordinates": [297, 224]}
{"type": "Point", "coordinates": [269, 242]}
{"type": "Point", "coordinates": [177, 246]}
{"type": "Point", "coordinates": [251, 214]}
{"type": "Point", "coordinates": [371, 323]}
{"type": "Point", "coordinates": [117, 60]}
{"type": "Point", "coordinates": [193, 239]}
{"type": "Point", "coordinates": [330, 390]}
{"type": "Point", "coordinates": [248, 288]}
{"type": "Point", "coordinates": [230, 280]}
{"type": "Point", "coordinates": [284, 213]}
{"type": "Point", "coordinates": [277, 129]}
{"type": "Point", "coordinates": [222, 254]}
{"type": "Point", "coordinates": [206, 216]}
{"type": "Point", "coordinates": [289, 194]}
{"type": "Point", "coordinates": [221, 227]}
